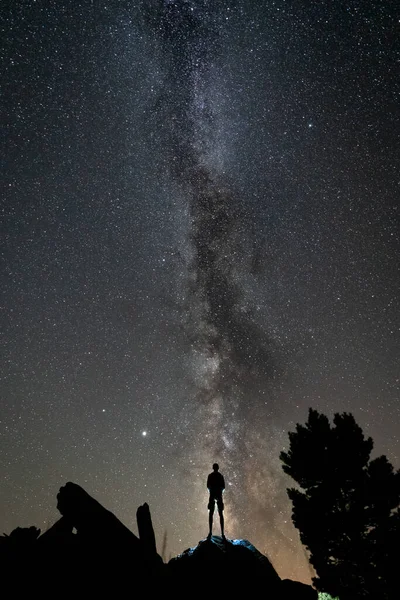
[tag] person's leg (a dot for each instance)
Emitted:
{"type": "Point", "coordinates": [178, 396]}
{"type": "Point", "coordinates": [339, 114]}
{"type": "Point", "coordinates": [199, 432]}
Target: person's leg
{"type": "Point", "coordinates": [210, 521]}
{"type": "Point", "coordinates": [211, 507]}
{"type": "Point", "coordinates": [221, 521]}
{"type": "Point", "coordinates": [221, 515]}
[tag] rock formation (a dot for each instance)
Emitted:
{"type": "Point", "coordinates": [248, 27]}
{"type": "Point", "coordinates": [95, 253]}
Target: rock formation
{"type": "Point", "coordinates": [104, 557]}
{"type": "Point", "coordinates": [93, 522]}
{"type": "Point", "coordinates": [145, 528]}
{"type": "Point", "coordinates": [236, 567]}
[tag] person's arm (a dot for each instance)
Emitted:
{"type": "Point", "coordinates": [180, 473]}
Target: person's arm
{"type": "Point", "coordinates": [208, 483]}
{"type": "Point", "coordinates": [223, 483]}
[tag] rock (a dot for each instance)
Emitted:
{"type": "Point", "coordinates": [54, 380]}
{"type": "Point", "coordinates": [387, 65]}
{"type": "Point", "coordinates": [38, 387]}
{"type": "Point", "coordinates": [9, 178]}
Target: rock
{"type": "Point", "coordinates": [146, 531]}
{"type": "Point", "coordinates": [107, 557]}
{"type": "Point", "coordinates": [220, 565]}
{"type": "Point", "coordinates": [104, 558]}
{"type": "Point", "coordinates": [94, 523]}
{"type": "Point", "coordinates": [59, 533]}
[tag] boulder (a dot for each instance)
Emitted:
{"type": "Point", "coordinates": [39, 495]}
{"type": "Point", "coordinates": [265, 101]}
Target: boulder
{"type": "Point", "coordinates": [146, 531]}
{"type": "Point", "coordinates": [220, 566]}
{"type": "Point", "coordinates": [94, 523]}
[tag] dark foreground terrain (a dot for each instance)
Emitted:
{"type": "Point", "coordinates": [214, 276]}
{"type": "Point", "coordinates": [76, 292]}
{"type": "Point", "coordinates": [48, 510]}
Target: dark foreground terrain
{"type": "Point", "coordinates": [105, 559]}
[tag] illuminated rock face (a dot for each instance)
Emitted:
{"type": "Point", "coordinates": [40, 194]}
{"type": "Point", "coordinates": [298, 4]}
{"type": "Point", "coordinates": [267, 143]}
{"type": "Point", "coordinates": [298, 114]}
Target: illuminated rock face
{"type": "Point", "coordinates": [233, 566]}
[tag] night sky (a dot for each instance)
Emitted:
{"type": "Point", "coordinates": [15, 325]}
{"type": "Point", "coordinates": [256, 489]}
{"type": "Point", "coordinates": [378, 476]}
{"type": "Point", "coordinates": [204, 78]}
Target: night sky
{"type": "Point", "coordinates": [199, 242]}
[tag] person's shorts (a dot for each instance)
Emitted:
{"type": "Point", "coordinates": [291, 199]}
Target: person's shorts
{"type": "Point", "coordinates": [213, 500]}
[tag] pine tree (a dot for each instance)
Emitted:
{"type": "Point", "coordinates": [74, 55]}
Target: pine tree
{"type": "Point", "coordinates": [347, 510]}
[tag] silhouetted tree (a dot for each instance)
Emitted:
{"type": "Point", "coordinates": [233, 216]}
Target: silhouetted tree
{"type": "Point", "coordinates": [348, 512]}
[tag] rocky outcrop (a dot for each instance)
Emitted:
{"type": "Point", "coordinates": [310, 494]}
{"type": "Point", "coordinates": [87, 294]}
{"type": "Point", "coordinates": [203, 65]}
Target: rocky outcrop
{"type": "Point", "coordinates": [146, 531]}
{"type": "Point", "coordinates": [94, 523]}
{"type": "Point", "coordinates": [220, 566]}
{"type": "Point", "coordinates": [228, 554]}
{"type": "Point", "coordinates": [105, 558]}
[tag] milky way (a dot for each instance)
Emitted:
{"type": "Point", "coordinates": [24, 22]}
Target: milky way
{"type": "Point", "coordinates": [232, 357]}
{"type": "Point", "coordinates": [200, 241]}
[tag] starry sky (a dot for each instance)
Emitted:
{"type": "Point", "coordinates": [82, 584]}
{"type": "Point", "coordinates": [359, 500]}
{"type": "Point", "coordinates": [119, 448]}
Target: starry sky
{"type": "Point", "coordinates": [199, 242]}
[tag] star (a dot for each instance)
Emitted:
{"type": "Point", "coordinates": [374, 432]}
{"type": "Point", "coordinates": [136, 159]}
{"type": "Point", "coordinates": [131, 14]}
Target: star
{"type": "Point", "coordinates": [176, 245]}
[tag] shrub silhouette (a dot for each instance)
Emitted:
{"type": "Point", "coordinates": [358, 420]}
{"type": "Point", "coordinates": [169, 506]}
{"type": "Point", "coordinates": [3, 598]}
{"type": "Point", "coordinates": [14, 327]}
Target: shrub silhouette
{"type": "Point", "coordinates": [348, 512]}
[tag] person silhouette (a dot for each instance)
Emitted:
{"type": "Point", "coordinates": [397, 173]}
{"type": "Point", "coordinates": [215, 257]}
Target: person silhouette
{"type": "Point", "coordinates": [216, 487]}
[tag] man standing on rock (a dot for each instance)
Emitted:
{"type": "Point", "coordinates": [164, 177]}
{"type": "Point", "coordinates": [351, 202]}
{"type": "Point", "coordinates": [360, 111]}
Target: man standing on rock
{"type": "Point", "coordinates": [216, 486]}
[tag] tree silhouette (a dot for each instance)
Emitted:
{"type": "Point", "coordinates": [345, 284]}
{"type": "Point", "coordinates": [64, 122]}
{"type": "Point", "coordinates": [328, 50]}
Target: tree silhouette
{"type": "Point", "coordinates": [348, 512]}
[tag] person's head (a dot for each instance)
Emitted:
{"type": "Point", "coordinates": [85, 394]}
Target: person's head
{"type": "Point", "coordinates": [215, 466]}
